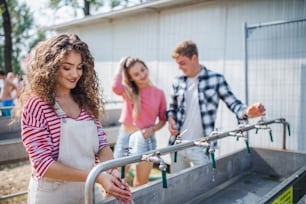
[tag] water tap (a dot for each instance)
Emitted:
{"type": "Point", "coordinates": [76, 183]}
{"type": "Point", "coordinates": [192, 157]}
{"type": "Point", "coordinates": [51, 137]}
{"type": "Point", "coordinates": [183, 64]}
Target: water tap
{"type": "Point", "coordinates": [261, 124]}
{"type": "Point", "coordinates": [156, 158]}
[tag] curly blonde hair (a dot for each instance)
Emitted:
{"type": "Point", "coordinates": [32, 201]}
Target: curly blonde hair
{"type": "Point", "coordinates": [42, 73]}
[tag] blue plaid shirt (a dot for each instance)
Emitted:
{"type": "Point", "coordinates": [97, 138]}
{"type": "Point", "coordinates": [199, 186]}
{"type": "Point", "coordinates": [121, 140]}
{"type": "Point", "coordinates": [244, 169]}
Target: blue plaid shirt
{"type": "Point", "coordinates": [211, 88]}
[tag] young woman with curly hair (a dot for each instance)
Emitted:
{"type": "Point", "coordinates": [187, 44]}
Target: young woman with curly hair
{"type": "Point", "coordinates": [59, 111]}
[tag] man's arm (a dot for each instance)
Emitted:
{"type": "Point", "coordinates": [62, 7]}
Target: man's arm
{"type": "Point", "coordinates": [228, 97]}
{"type": "Point", "coordinates": [241, 110]}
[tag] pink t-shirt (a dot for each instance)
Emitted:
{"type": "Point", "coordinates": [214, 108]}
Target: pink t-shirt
{"type": "Point", "coordinates": [152, 105]}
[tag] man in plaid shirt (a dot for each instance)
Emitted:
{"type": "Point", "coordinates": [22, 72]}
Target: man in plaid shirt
{"type": "Point", "coordinates": [194, 103]}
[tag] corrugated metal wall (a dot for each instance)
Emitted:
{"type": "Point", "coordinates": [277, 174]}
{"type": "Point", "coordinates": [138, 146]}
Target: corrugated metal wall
{"type": "Point", "coordinates": [216, 26]}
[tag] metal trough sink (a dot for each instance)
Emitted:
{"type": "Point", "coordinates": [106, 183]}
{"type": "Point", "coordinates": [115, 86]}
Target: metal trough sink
{"type": "Point", "coordinates": [261, 176]}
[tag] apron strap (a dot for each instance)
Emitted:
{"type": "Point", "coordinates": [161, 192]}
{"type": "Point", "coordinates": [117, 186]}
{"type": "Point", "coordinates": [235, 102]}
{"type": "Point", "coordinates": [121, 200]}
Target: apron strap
{"type": "Point", "coordinates": [59, 110]}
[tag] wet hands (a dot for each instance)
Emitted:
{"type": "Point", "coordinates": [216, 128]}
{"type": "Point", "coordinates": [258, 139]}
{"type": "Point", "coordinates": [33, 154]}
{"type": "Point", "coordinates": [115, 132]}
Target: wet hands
{"type": "Point", "coordinates": [114, 186]}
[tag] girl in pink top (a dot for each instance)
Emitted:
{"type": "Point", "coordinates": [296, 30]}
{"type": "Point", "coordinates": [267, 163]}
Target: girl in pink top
{"type": "Point", "coordinates": [60, 127]}
{"type": "Point", "coordinates": [144, 112]}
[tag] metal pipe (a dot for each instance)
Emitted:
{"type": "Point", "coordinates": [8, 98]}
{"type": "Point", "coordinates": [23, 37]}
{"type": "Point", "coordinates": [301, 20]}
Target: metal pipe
{"type": "Point", "coordinates": [241, 129]}
{"type": "Point", "coordinates": [245, 60]}
{"type": "Point", "coordinates": [89, 185]}
{"type": "Point", "coordinates": [276, 23]}
{"type": "Point", "coordinates": [90, 181]}
{"type": "Point", "coordinates": [10, 196]}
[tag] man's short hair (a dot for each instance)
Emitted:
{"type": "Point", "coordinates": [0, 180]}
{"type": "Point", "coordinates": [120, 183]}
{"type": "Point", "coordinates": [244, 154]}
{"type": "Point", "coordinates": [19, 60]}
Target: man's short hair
{"type": "Point", "coordinates": [186, 48]}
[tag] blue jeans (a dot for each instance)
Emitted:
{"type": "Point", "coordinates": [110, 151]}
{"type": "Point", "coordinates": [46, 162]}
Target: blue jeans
{"type": "Point", "coordinates": [139, 144]}
{"type": "Point", "coordinates": [123, 143]}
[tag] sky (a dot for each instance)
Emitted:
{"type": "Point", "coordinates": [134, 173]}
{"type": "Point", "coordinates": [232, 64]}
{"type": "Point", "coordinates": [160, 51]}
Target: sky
{"type": "Point", "coordinates": [45, 16]}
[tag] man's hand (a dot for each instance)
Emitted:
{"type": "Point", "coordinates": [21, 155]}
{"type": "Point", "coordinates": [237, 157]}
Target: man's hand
{"type": "Point", "coordinates": [172, 127]}
{"type": "Point", "coordinates": [255, 110]}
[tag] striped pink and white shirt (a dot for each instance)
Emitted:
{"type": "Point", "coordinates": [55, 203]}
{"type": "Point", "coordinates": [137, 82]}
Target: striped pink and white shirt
{"type": "Point", "coordinates": [41, 133]}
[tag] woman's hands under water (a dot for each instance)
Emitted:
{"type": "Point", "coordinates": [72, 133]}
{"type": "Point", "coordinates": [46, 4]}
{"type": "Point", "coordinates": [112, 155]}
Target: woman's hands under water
{"type": "Point", "coordinates": [115, 186]}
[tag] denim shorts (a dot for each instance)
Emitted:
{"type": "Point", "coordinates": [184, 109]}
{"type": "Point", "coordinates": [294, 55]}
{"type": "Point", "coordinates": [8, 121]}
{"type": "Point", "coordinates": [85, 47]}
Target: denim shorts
{"type": "Point", "coordinates": [139, 144]}
{"type": "Point", "coordinates": [5, 103]}
{"type": "Point", "coordinates": [123, 143]}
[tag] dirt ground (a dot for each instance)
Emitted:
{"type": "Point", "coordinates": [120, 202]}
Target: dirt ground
{"type": "Point", "coordinates": [14, 178]}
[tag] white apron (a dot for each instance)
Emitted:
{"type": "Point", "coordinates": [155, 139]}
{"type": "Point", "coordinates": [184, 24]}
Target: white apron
{"type": "Point", "coordinates": [79, 143]}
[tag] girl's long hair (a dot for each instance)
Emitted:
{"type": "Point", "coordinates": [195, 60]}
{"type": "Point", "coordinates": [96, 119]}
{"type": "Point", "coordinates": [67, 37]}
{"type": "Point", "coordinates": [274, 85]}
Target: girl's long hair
{"type": "Point", "coordinates": [132, 89]}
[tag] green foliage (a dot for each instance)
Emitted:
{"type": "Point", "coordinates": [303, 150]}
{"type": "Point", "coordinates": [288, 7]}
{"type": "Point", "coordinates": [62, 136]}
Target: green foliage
{"type": "Point", "coordinates": [56, 4]}
{"type": "Point", "coordinates": [94, 5]}
{"type": "Point", "coordinates": [23, 35]}
{"type": "Point", "coordinates": [75, 4]}
{"type": "Point", "coordinates": [115, 3]}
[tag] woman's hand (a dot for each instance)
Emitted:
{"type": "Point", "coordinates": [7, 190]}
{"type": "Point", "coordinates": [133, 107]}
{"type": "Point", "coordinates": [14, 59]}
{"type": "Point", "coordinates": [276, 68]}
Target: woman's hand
{"type": "Point", "coordinates": [114, 186]}
{"type": "Point", "coordinates": [122, 63]}
{"type": "Point", "coordinates": [148, 132]}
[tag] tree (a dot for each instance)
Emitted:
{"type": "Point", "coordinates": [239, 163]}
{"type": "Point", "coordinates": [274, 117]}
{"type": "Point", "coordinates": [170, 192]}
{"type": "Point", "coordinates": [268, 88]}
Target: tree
{"type": "Point", "coordinates": [19, 34]}
{"type": "Point", "coordinates": [88, 5]}
{"type": "Point", "coordinates": [7, 28]}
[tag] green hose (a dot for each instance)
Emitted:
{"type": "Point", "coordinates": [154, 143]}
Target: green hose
{"type": "Point", "coordinates": [247, 146]}
{"type": "Point", "coordinates": [212, 157]}
{"type": "Point", "coordinates": [122, 172]}
{"type": "Point", "coordinates": [271, 138]}
{"type": "Point", "coordinates": [164, 178]}
{"type": "Point", "coordinates": [175, 157]}
{"type": "Point", "coordinates": [288, 126]}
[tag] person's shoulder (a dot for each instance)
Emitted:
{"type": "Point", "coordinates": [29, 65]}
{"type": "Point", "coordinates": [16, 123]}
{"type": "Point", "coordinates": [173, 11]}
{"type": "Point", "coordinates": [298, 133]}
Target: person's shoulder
{"type": "Point", "coordinates": [178, 79]}
{"type": "Point", "coordinates": [211, 73]}
{"type": "Point", "coordinates": [10, 83]}
{"type": "Point", "coordinates": [35, 102]}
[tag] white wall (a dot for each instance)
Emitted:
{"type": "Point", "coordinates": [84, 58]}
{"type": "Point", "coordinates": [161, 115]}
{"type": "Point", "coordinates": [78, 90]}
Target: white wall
{"type": "Point", "coordinates": [217, 28]}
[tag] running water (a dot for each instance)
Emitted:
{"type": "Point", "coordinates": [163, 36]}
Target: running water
{"type": "Point", "coordinates": [213, 175]}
